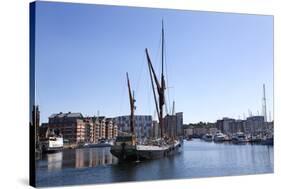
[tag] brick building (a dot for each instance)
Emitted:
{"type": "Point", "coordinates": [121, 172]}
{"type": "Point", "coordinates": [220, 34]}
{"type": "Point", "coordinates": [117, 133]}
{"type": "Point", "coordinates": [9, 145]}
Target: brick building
{"type": "Point", "coordinates": [78, 129]}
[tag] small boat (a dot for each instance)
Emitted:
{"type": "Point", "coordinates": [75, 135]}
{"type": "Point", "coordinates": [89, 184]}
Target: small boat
{"type": "Point", "coordinates": [52, 144]}
{"type": "Point", "coordinates": [239, 138]}
{"type": "Point", "coordinates": [255, 139]}
{"type": "Point", "coordinates": [219, 137]}
{"type": "Point", "coordinates": [268, 140]}
{"type": "Point", "coordinates": [97, 145]}
{"type": "Point", "coordinates": [208, 137]}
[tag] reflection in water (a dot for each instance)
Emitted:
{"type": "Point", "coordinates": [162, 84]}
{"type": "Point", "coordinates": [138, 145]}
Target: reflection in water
{"type": "Point", "coordinates": [54, 161]}
{"type": "Point", "coordinates": [79, 158]}
{"type": "Point", "coordinates": [198, 159]}
{"type": "Point", "coordinates": [93, 157]}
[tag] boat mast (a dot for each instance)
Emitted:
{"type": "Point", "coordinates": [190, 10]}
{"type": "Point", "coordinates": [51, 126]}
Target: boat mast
{"type": "Point", "coordinates": [132, 106]}
{"type": "Point", "coordinates": [160, 86]}
{"type": "Point", "coordinates": [162, 91]}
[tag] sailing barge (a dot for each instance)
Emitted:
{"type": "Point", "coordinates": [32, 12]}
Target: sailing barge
{"type": "Point", "coordinates": [126, 148]}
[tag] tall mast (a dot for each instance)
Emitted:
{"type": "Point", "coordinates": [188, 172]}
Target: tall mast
{"type": "Point", "coordinates": [162, 91]}
{"type": "Point", "coordinates": [160, 85]}
{"type": "Point", "coordinates": [162, 59]}
{"type": "Point", "coordinates": [264, 104]}
{"type": "Point", "coordinates": [132, 106]}
{"type": "Point", "coordinates": [173, 110]}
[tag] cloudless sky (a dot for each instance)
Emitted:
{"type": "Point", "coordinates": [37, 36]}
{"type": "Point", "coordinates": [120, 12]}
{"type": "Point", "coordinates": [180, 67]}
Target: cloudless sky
{"type": "Point", "coordinates": [216, 62]}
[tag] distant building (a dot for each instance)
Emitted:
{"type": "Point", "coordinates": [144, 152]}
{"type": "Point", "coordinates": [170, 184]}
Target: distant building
{"type": "Point", "coordinates": [173, 125]}
{"type": "Point", "coordinates": [199, 131]}
{"type": "Point", "coordinates": [269, 127]}
{"type": "Point", "coordinates": [252, 125]}
{"type": "Point", "coordinates": [170, 126]}
{"type": "Point", "coordinates": [179, 129]}
{"type": "Point", "coordinates": [102, 128]}
{"type": "Point", "coordinates": [96, 130]}
{"type": "Point", "coordinates": [188, 132]}
{"type": "Point", "coordinates": [109, 128]}
{"type": "Point", "coordinates": [226, 125]}
{"type": "Point", "coordinates": [114, 129]}
{"type": "Point", "coordinates": [89, 130]}
{"type": "Point", "coordinates": [143, 124]}
{"type": "Point", "coordinates": [219, 125]}
{"type": "Point", "coordinates": [155, 131]}
{"type": "Point", "coordinates": [237, 126]}
{"type": "Point", "coordinates": [255, 125]}
{"type": "Point", "coordinates": [212, 130]}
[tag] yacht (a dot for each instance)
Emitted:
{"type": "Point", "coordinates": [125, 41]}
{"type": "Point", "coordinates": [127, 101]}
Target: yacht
{"type": "Point", "coordinates": [219, 137]}
{"type": "Point", "coordinates": [239, 138]}
{"type": "Point", "coordinates": [207, 137]}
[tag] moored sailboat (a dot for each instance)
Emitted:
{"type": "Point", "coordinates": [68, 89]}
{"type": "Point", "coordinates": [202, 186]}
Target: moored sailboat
{"type": "Point", "coordinates": [126, 147]}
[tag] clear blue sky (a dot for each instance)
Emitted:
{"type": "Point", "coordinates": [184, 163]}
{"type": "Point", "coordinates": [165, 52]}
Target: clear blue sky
{"type": "Point", "coordinates": [216, 62]}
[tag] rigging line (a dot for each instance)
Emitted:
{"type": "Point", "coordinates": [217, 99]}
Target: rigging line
{"type": "Point", "coordinates": [140, 73]}
{"type": "Point", "coordinates": [166, 70]}
{"type": "Point", "coordinates": [158, 56]}
{"type": "Point", "coordinates": [122, 98]}
{"type": "Point", "coordinates": [36, 93]}
{"type": "Point", "coordinates": [167, 105]}
{"type": "Point", "coordinates": [149, 95]}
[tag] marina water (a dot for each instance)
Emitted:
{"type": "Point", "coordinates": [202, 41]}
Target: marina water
{"type": "Point", "coordinates": [197, 159]}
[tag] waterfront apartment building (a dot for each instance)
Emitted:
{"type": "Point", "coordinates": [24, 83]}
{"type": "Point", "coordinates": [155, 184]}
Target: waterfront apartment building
{"type": "Point", "coordinates": [78, 129]}
{"type": "Point", "coordinates": [71, 125]}
{"type": "Point", "coordinates": [89, 130]}
{"type": "Point", "coordinates": [143, 124]}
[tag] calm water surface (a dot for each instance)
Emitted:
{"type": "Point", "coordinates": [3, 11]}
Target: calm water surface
{"type": "Point", "coordinates": [198, 159]}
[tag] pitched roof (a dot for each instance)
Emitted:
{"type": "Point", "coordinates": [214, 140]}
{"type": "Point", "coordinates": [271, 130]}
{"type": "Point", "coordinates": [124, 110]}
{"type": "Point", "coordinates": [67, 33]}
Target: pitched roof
{"type": "Point", "coordinates": [69, 114]}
